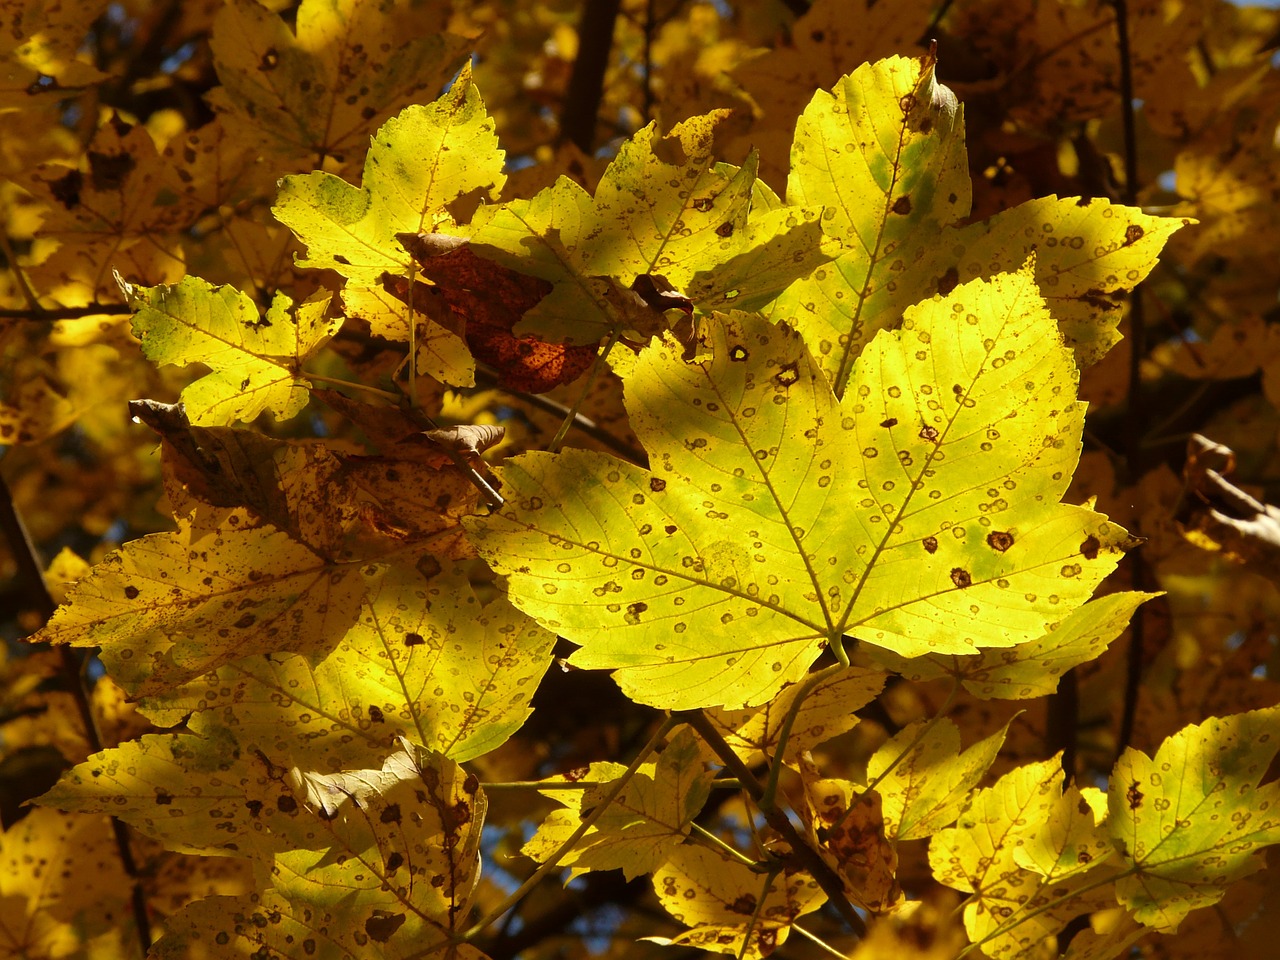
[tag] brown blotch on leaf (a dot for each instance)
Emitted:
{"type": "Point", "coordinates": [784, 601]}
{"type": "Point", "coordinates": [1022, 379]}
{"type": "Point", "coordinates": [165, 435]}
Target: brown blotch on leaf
{"type": "Point", "coordinates": [1132, 234]}
{"type": "Point", "coordinates": [164, 799]}
{"type": "Point", "coordinates": [382, 926]}
{"type": "Point", "coordinates": [788, 375]}
{"type": "Point", "coordinates": [738, 354]}
{"type": "Point", "coordinates": [1134, 796]}
{"type": "Point", "coordinates": [413, 639]}
{"type": "Point", "coordinates": [930, 544]}
{"type": "Point", "coordinates": [286, 804]}
{"type": "Point", "coordinates": [131, 592]}
{"type": "Point", "coordinates": [1089, 549]}
{"type": "Point", "coordinates": [395, 861]}
{"type": "Point", "coordinates": [961, 578]}
{"type": "Point", "coordinates": [745, 905]}
{"type": "Point", "coordinates": [725, 229]}
{"type": "Point", "coordinates": [270, 60]}
{"type": "Point", "coordinates": [391, 814]}
{"type": "Point", "coordinates": [948, 281]}
{"type": "Point", "coordinates": [929, 433]}
{"type": "Point", "coordinates": [902, 206]}
{"type": "Point", "coordinates": [703, 204]}
{"type": "Point", "coordinates": [657, 484]}
{"type": "Point", "coordinates": [66, 190]}
{"type": "Point", "coordinates": [375, 715]}
{"type": "Point", "coordinates": [1000, 540]}
{"type": "Point", "coordinates": [891, 422]}
{"type": "Point", "coordinates": [110, 171]}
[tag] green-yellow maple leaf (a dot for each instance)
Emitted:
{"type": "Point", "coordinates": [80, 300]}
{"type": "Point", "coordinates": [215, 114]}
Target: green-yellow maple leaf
{"type": "Point", "coordinates": [1031, 853]}
{"type": "Point", "coordinates": [318, 94]}
{"type": "Point", "coordinates": [884, 150]}
{"type": "Point", "coordinates": [728, 906]}
{"type": "Point", "coordinates": [171, 606]}
{"type": "Point", "coordinates": [1191, 820]}
{"type": "Point", "coordinates": [421, 162]}
{"type": "Point", "coordinates": [1030, 669]}
{"type": "Point", "coordinates": [423, 659]}
{"type": "Point", "coordinates": [644, 823]}
{"type": "Point", "coordinates": [920, 514]}
{"type": "Point", "coordinates": [826, 712]}
{"type": "Point", "coordinates": [925, 778]}
{"type": "Point", "coordinates": [392, 877]}
{"type": "Point", "coordinates": [194, 792]}
{"type": "Point", "coordinates": [662, 207]}
{"type": "Point", "coordinates": [255, 360]}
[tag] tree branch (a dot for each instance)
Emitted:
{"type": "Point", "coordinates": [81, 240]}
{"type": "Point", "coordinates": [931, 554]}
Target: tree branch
{"type": "Point", "coordinates": [31, 575]}
{"type": "Point", "coordinates": [586, 85]}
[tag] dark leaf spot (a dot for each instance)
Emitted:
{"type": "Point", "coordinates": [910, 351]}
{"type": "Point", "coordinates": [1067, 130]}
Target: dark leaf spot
{"type": "Point", "coordinates": [725, 229]}
{"type": "Point", "coordinates": [1134, 796]}
{"type": "Point", "coordinates": [1132, 234]}
{"type": "Point", "coordinates": [947, 282]}
{"type": "Point", "coordinates": [657, 484]}
{"type": "Point", "coordinates": [375, 715]}
{"type": "Point", "coordinates": [270, 60]}
{"type": "Point", "coordinates": [1089, 549]}
{"type": "Point", "coordinates": [788, 375]}
{"type": "Point", "coordinates": [930, 544]}
{"type": "Point", "coordinates": [999, 540]}
{"type": "Point", "coordinates": [929, 433]}
{"type": "Point", "coordinates": [131, 592]}
{"type": "Point", "coordinates": [738, 354]}
{"type": "Point", "coordinates": [66, 190]}
{"type": "Point", "coordinates": [891, 422]}
{"type": "Point", "coordinates": [413, 639]}
{"type": "Point", "coordinates": [902, 206]}
{"type": "Point", "coordinates": [961, 577]}
{"type": "Point", "coordinates": [383, 925]}
{"type": "Point", "coordinates": [164, 799]}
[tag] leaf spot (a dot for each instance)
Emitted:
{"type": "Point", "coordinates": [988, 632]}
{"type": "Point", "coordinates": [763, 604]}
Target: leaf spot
{"type": "Point", "coordinates": [999, 540]}
{"type": "Point", "coordinates": [961, 578]}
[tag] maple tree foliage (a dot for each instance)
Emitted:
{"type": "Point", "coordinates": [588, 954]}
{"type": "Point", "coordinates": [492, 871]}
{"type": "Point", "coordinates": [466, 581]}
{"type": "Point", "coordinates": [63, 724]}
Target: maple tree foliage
{"type": "Point", "coordinates": [629, 478]}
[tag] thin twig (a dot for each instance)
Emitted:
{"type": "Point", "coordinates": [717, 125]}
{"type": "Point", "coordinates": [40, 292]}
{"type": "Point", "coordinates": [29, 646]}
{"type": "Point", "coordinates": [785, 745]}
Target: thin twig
{"type": "Point", "coordinates": [64, 313]}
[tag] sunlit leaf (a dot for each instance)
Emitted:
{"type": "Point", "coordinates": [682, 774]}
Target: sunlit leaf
{"type": "Point", "coordinates": [930, 778]}
{"type": "Point", "coordinates": [1192, 819]}
{"type": "Point", "coordinates": [986, 853]}
{"type": "Point", "coordinates": [921, 514]}
{"type": "Point", "coordinates": [255, 360]}
{"type": "Point", "coordinates": [1030, 669]}
{"type": "Point", "coordinates": [725, 903]}
{"type": "Point", "coordinates": [640, 829]}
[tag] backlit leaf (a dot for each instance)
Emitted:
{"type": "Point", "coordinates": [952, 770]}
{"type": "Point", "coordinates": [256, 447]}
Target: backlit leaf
{"type": "Point", "coordinates": [931, 778]}
{"type": "Point", "coordinates": [421, 161]}
{"type": "Point", "coordinates": [826, 712]}
{"type": "Point", "coordinates": [255, 360]}
{"type": "Point", "coordinates": [885, 150]}
{"type": "Point", "coordinates": [643, 825]}
{"type": "Point", "coordinates": [662, 207]}
{"type": "Point", "coordinates": [1030, 669]}
{"type": "Point", "coordinates": [921, 514]}
{"type": "Point", "coordinates": [320, 93]}
{"type": "Point", "coordinates": [423, 659]}
{"type": "Point", "coordinates": [1026, 820]}
{"type": "Point", "coordinates": [720, 901]}
{"type": "Point", "coordinates": [1192, 819]}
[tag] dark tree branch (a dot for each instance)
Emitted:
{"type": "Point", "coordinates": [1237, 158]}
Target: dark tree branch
{"type": "Point", "coordinates": [586, 84]}
{"type": "Point", "coordinates": [31, 575]}
{"type": "Point", "coordinates": [65, 313]}
{"type": "Point", "coordinates": [1137, 417]}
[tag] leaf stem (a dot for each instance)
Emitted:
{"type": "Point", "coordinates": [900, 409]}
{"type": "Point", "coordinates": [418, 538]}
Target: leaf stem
{"type": "Point", "coordinates": [395, 398]}
{"type": "Point", "coordinates": [33, 302]}
{"type": "Point", "coordinates": [802, 850]}
{"type": "Point", "coordinates": [587, 823]}
{"type": "Point", "coordinates": [784, 732]}
{"type": "Point", "coordinates": [572, 416]}
{"type": "Point", "coordinates": [712, 840]}
{"type": "Point", "coordinates": [920, 734]}
{"type": "Point", "coordinates": [755, 914]}
{"type": "Point", "coordinates": [817, 941]}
